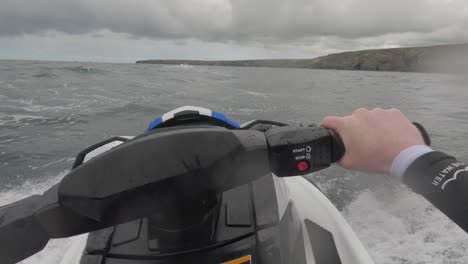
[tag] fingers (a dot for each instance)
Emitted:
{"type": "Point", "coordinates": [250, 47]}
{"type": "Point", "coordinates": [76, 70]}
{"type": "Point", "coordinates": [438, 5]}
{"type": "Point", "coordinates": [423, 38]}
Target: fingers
{"type": "Point", "coordinates": [372, 137]}
{"type": "Point", "coordinates": [339, 123]}
{"type": "Point", "coordinates": [361, 111]}
{"type": "Point", "coordinates": [394, 110]}
{"type": "Point", "coordinates": [333, 122]}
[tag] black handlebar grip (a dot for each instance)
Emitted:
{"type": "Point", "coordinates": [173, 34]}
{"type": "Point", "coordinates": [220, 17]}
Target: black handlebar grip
{"type": "Point", "coordinates": [337, 147]}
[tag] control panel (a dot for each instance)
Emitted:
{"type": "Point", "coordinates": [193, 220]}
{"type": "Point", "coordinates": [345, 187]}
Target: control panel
{"type": "Point", "coordinates": [301, 150]}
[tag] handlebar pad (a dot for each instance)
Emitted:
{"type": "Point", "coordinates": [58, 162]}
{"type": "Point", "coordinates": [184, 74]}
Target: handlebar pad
{"type": "Point", "coordinates": [133, 179]}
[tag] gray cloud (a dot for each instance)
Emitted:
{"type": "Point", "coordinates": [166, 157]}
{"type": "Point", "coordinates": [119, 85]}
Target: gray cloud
{"type": "Point", "coordinates": [154, 19]}
{"type": "Point", "coordinates": [240, 20]}
{"type": "Point", "coordinates": [127, 30]}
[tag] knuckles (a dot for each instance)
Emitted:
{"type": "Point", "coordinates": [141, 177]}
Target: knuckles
{"type": "Point", "coordinates": [361, 111]}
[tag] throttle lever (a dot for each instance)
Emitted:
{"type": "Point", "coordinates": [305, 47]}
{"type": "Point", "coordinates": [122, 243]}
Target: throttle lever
{"type": "Point", "coordinates": [423, 132]}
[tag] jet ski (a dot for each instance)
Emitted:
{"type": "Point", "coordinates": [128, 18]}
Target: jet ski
{"type": "Point", "coordinates": [195, 187]}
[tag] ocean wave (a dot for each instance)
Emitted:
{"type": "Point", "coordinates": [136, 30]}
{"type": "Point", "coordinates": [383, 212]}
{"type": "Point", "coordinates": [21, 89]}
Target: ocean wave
{"type": "Point", "coordinates": [399, 226]}
{"type": "Point", "coordinates": [84, 70]}
{"type": "Point", "coordinates": [257, 94]}
{"type": "Point", "coordinates": [36, 108]}
{"type": "Point", "coordinates": [46, 75]}
{"type": "Point", "coordinates": [30, 106]}
{"type": "Point", "coordinates": [175, 68]}
{"type": "Point", "coordinates": [28, 188]}
{"type": "Point", "coordinates": [10, 86]}
{"type": "Point", "coordinates": [19, 120]}
{"type": "Point", "coordinates": [9, 119]}
{"type": "Point", "coordinates": [99, 99]}
{"type": "Point", "coordinates": [53, 252]}
{"type": "Point", "coordinates": [135, 108]}
{"type": "Point", "coordinates": [179, 66]}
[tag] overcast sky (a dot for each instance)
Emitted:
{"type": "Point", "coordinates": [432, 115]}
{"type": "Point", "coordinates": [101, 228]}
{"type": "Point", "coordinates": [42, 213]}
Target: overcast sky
{"type": "Point", "coordinates": [124, 31]}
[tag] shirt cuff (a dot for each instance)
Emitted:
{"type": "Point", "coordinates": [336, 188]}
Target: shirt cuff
{"type": "Point", "coordinates": [402, 162]}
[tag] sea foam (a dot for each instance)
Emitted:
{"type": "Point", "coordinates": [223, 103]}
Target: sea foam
{"type": "Point", "coordinates": [399, 226]}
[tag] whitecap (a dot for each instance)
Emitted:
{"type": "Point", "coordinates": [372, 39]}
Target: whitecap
{"type": "Point", "coordinates": [257, 94]}
{"type": "Point", "coordinates": [53, 252]}
{"type": "Point", "coordinates": [398, 226]}
{"type": "Point", "coordinates": [41, 108]}
{"type": "Point", "coordinates": [179, 66]}
{"type": "Point", "coordinates": [30, 106]}
{"type": "Point", "coordinates": [6, 119]}
{"type": "Point", "coordinates": [185, 66]}
{"type": "Point", "coordinates": [30, 187]}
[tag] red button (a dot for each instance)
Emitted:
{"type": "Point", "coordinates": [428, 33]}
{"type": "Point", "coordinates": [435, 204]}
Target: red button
{"type": "Point", "coordinates": [302, 166]}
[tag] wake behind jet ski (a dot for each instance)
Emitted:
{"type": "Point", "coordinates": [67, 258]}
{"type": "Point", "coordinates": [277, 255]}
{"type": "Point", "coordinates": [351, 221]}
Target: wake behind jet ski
{"type": "Point", "coordinates": [194, 188]}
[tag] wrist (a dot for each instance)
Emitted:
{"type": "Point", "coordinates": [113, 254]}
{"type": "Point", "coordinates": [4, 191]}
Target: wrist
{"type": "Point", "coordinates": [405, 158]}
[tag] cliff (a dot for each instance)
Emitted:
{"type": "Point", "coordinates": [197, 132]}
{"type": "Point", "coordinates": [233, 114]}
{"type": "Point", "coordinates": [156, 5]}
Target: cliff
{"type": "Point", "coordinates": [445, 58]}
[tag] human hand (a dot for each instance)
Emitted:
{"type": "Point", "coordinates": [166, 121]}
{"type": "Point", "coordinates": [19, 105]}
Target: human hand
{"type": "Point", "coordinates": [373, 138]}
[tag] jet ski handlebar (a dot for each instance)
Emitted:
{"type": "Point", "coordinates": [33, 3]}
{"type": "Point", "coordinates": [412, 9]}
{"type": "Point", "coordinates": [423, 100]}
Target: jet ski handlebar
{"type": "Point", "coordinates": [160, 169]}
{"type": "Point", "coordinates": [126, 182]}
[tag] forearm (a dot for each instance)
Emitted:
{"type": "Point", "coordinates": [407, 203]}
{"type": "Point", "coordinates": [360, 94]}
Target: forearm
{"type": "Point", "coordinates": [386, 142]}
{"type": "Point", "coordinates": [443, 181]}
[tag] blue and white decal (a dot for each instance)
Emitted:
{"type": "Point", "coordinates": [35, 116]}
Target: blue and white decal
{"type": "Point", "coordinates": [201, 111]}
{"type": "Point", "coordinates": [223, 118]}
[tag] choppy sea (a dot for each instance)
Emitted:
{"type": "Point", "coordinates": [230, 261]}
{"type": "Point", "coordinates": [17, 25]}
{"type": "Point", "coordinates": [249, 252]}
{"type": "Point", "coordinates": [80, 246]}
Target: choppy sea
{"type": "Point", "coordinates": [49, 111]}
